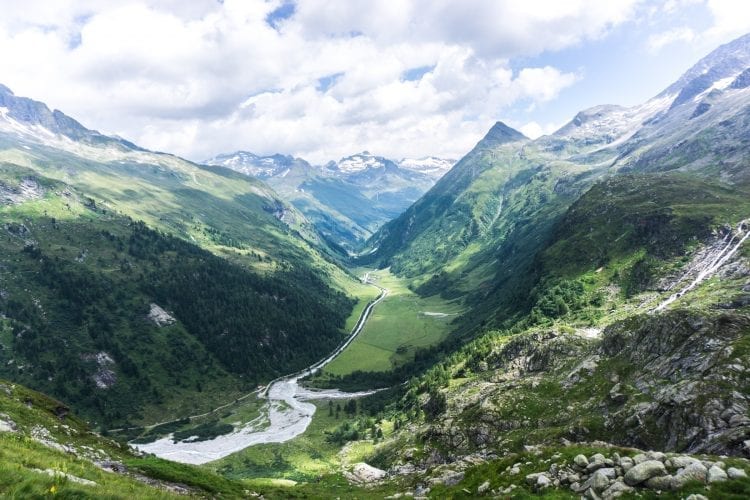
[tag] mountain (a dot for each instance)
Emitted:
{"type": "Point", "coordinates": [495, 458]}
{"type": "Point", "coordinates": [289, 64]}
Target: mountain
{"type": "Point", "coordinates": [602, 273]}
{"type": "Point", "coordinates": [137, 283]}
{"type": "Point", "coordinates": [605, 274]}
{"type": "Point", "coordinates": [346, 200]}
{"type": "Point", "coordinates": [477, 230]}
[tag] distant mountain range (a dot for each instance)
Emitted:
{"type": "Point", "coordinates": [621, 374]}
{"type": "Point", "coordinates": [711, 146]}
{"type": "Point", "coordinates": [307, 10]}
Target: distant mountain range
{"type": "Point", "coordinates": [346, 200]}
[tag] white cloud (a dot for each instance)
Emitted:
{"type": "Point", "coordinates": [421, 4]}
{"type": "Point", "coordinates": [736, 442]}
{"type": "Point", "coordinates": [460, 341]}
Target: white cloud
{"type": "Point", "coordinates": [534, 130]}
{"type": "Point", "coordinates": [658, 41]}
{"type": "Point", "coordinates": [203, 77]}
{"type": "Point", "coordinates": [730, 19]}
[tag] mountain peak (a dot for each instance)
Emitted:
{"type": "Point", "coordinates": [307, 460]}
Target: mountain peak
{"type": "Point", "coordinates": [500, 133]}
{"type": "Point", "coordinates": [726, 61]}
{"type": "Point", "coordinates": [5, 90]}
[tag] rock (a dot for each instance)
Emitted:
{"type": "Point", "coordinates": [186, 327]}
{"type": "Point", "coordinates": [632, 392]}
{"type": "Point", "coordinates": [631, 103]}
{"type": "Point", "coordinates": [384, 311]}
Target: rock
{"type": "Point", "coordinates": [421, 490]}
{"type": "Point", "coordinates": [656, 455]}
{"type": "Point", "coordinates": [532, 478]}
{"type": "Point", "coordinates": [159, 316]}
{"type": "Point", "coordinates": [616, 490]}
{"type": "Point", "coordinates": [683, 461]}
{"type": "Point", "coordinates": [695, 471]}
{"type": "Point", "coordinates": [573, 478]}
{"type": "Point", "coordinates": [483, 487]}
{"type": "Point", "coordinates": [599, 481]}
{"type": "Point", "coordinates": [639, 458]}
{"type": "Point", "coordinates": [591, 495]}
{"type": "Point", "coordinates": [581, 461]}
{"type": "Point", "coordinates": [543, 481]}
{"type": "Point", "coordinates": [660, 483]}
{"type": "Point", "coordinates": [644, 471]}
{"type": "Point", "coordinates": [596, 462]}
{"type": "Point", "coordinates": [515, 471]}
{"type": "Point", "coordinates": [696, 496]}
{"type": "Point", "coordinates": [365, 473]}
{"type": "Point", "coordinates": [735, 473]}
{"type": "Point", "coordinates": [716, 474]}
{"type": "Point", "coordinates": [626, 463]}
{"type": "Point", "coordinates": [6, 424]}
{"type": "Point", "coordinates": [449, 478]}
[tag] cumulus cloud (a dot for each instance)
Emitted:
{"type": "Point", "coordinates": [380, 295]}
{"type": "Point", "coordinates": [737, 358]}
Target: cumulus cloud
{"type": "Point", "coordinates": [319, 79]}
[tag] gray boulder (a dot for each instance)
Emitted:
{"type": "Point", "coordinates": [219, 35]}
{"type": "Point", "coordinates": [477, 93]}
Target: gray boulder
{"type": "Point", "coordinates": [617, 489]}
{"type": "Point", "coordinates": [599, 481]}
{"type": "Point", "coordinates": [716, 474]}
{"type": "Point", "coordinates": [661, 483]}
{"type": "Point", "coordinates": [695, 471]}
{"type": "Point", "coordinates": [644, 471]}
{"type": "Point", "coordinates": [735, 473]}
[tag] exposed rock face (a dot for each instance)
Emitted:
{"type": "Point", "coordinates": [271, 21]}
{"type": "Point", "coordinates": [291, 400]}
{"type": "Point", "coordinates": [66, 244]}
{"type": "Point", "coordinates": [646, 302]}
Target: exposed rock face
{"type": "Point", "coordinates": [104, 377]}
{"type": "Point", "coordinates": [159, 316]}
{"type": "Point", "coordinates": [683, 390]}
{"type": "Point", "coordinates": [681, 358]}
{"type": "Point", "coordinates": [28, 189]}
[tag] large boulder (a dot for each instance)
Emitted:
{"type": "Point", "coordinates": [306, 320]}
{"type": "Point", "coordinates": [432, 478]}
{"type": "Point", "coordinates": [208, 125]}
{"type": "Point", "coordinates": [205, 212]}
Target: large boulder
{"type": "Point", "coordinates": [694, 471]}
{"type": "Point", "coordinates": [716, 474]}
{"type": "Point", "coordinates": [364, 473]}
{"type": "Point", "coordinates": [644, 471]}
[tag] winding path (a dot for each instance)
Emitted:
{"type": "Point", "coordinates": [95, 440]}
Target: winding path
{"type": "Point", "coordinates": [288, 411]}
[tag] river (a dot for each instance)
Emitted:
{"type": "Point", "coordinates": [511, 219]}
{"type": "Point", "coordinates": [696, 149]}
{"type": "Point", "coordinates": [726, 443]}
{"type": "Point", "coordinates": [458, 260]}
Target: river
{"type": "Point", "coordinates": [286, 414]}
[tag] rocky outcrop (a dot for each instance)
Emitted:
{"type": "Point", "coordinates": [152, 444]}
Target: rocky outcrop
{"type": "Point", "coordinates": [159, 316]}
{"type": "Point", "coordinates": [687, 367]}
{"type": "Point", "coordinates": [28, 189]}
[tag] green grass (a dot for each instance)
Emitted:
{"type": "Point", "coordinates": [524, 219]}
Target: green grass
{"type": "Point", "coordinates": [397, 327]}
{"type": "Point", "coordinates": [22, 456]}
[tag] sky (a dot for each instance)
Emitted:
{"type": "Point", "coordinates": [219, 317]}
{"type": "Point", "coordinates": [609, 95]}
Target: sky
{"type": "Point", "coordinates": [323, 79]}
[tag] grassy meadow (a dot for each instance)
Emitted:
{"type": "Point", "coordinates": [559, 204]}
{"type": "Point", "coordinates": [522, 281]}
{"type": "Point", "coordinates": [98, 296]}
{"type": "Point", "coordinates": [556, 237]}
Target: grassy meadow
{"type": "Point", "coordinates": [398, 326]}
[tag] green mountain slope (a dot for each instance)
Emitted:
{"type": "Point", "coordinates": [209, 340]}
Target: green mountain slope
{"type": "Point", "coordinates": [100, 238]}
{"type": "Point", "coordinates": [475, 234]}
{"type": "Point", "coordinates": [595, 360]}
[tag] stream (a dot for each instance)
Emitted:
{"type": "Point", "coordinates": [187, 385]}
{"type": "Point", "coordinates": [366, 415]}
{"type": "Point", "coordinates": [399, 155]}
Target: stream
{"type": "Point", "coordinates": [715, 258]}
{"type": "Point", "coordinates": [286, 414]}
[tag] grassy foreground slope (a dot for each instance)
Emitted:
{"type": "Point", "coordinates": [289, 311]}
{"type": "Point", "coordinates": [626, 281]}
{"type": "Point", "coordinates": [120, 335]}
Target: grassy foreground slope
{"type": "Point", "coordinates": [46, 451]}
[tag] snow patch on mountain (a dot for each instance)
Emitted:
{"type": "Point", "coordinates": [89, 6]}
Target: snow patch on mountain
{"type": "Point", "coordinates": [361, 161]}
{"type": "Point", "coordinates": [429, 165]}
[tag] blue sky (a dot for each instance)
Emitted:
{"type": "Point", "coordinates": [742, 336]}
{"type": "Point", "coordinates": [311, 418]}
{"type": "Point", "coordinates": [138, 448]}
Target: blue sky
{"type": "Point", "coordinates": [323, 79]}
